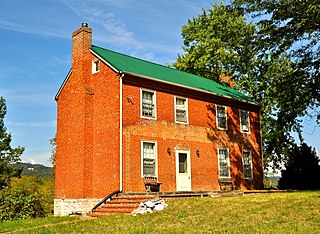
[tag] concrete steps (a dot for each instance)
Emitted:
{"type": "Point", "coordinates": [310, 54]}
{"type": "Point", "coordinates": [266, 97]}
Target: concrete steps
{"type": "Point", "coordinates": [122, 204]}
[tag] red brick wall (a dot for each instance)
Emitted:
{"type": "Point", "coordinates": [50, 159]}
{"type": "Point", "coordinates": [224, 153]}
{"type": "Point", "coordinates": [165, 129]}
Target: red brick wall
{"type": "Point", "coordinates": [87, 163]}
{"type": "Point", "coordinates": [201, 133]}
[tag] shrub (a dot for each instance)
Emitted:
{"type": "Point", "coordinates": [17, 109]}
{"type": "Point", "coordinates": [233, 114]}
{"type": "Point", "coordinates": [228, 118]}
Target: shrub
{"type": "Point", "coordinates": [302, 170]}
{"type": "Point", "coordinates": [17, 203]}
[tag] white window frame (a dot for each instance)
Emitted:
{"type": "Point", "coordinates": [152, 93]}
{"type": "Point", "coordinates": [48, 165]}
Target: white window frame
{"type": "Point", "coordinates": [224, 148]}
{"type": "Point", "coordinates": [155, 156]}
{"type": "Point", "coordinates": [154, 103]}
{"type": "Point", "coordinates": [94, 66]}
{"type": "Point", "coordinates": [241, 129]}
{"type": "Point", "coordinates": [250, 161]}
{"type": "Point", "coordinates": [184, 108]}
{"type": "Point", "coordinates": [226, 113]}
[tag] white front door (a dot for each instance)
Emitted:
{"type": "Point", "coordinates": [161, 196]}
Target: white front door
{"type": "Point", "coordinates": [183, 170]}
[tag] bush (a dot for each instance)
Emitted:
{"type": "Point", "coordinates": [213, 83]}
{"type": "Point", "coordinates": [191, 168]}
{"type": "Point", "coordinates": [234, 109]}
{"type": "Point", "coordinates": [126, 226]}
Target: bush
{"type": "Point", "coordinates": [302, 170]}
{"type": "Point", "coordinates": [17, 203]}
{"type": "Point", "coordinates": [44, 186]}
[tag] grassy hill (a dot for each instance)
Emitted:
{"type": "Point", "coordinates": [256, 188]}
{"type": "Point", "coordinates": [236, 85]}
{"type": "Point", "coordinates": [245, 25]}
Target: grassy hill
{"type": "Point", "coordinates": [33, 169]}
{"type": "Point", "coordinates": [289, 212]}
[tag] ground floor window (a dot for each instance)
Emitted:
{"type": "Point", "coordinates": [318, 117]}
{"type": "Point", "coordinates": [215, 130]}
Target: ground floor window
{"type": "Point", "coordinates": [247, 164]}
{"type": "Point", "coordinates": [149, 158]}
{"type": "Point", "coordinates": [224, 164]}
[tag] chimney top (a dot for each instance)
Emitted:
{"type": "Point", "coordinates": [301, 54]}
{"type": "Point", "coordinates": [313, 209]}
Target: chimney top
{"type": "Point", "coordinates": [84, 25]}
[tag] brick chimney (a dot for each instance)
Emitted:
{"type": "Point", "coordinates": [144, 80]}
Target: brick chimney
{"type": "Point", "coordinates": [226, 79]}
{"type": "Point", "coordinates": [81, 44]}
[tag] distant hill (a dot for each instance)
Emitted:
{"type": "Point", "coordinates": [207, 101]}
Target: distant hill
{"type": "Point", "coordinates": [33, 169]}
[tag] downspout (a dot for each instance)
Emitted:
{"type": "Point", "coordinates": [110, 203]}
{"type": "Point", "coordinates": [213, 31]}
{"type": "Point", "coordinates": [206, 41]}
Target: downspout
{"type": "Point", "coordinates": [120, 133]}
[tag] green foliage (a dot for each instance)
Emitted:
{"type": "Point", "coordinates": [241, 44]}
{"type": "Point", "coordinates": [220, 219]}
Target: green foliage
{"type": "Point", "coordinates": [7, 153]}
{"type": "Point", "coordinates": [302, 170]}
{"type": "Point", "coordinates": [43, 185]}
{"type": "Point", "coordinates": [216, 42]}
{"type": "Point", "coordinates": [221, 41]}
{"type": "Point", "coordinates": [291, 26]}
{"type": "Point", "coordinates": [270, 182]}
{"type": "Point", "coordinates": [52, 159]}
{"type": "Point", "coordinates": [16, 203]}
{"type": "Point", "coordinates": [36, 170]}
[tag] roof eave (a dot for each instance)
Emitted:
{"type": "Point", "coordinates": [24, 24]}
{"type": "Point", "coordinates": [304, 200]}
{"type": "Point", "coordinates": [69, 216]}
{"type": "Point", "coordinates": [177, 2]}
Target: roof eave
{"type": "Point", "coordinates": [187, 87]}
{"type": "Point", "coordinates": [63, 84]}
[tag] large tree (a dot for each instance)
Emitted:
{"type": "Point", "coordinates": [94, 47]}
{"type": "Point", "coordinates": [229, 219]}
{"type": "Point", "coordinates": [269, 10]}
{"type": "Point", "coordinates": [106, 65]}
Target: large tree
{"type": "Point", "coordinates": [8, 154]}
{"type": "Point", "coordinates": [291, 26]}
{"type": "Point", "coordinates": [221, 40]}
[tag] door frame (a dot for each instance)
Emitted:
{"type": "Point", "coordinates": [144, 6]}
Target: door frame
{"type": "Point", "coordinates": [188, 167]}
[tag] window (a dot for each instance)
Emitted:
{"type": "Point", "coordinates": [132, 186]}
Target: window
{"type": "Point", "coordinates": [149, 153]}
{"type": "Point", "coordinates": [181, 109]}
{"type": "Point", "coordinates": [95, 66]}
{"type": "Point", "coordinates": [247, 164]}
{"type": "Point", "coordinates": [244, 121]}
{"type": "Point", "coordinates": [148, 104]}
{"type": "Point", "coordinates": [183, 163]}
{"type": "Point", "coordinates": [222, 117]}
{"type": "Point", "coordinates": [224, 164]}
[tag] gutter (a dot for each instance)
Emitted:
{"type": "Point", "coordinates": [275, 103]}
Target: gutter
{"type": "Point", "coordinates": [120, 133]}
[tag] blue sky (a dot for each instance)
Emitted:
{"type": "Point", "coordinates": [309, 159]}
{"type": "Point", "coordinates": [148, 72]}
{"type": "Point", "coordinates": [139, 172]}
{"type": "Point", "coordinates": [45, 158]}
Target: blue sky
{"type": "Point", "coordinates": [35, 45]}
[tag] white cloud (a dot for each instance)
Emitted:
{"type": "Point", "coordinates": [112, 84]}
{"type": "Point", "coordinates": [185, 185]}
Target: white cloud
{"type": "Point", "coordinates": [49, 124]}
{"type": "Point", "coordinates": [30, 160]}
{"type": "Point", "coordinates": [8, 25]}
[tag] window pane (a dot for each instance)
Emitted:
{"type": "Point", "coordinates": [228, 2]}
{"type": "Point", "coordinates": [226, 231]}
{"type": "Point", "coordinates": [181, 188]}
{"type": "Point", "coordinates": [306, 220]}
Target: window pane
{"type": "Point", "coordinates": [149, 159]}
{"type": "Point", "coordinates": [244, 120]}
{"type": "Point", "coordinates": [183, 165]}
{"type": "Point", "coordinates": [247, 169]}
{"type": "Point", "coordinates": [181, 109]}
{"type": "Point", "coordinates": [147, 104]}
{"type": "Point", "coordinates": [224, 170]}
{"type": "Point", "coordinates": [181, 115]}
{"type": "Point", "coordinates": [148, 166]}
{"type": "Point", "coordinates": [221, 117]}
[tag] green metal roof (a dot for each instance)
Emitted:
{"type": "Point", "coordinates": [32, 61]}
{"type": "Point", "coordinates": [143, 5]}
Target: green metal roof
{"type": "Point", "coordinates": [139, 67]}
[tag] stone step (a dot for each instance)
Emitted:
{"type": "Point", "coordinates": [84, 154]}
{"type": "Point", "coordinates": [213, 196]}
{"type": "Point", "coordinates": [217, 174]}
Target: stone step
{"type": "Point", "coordinates": [137, 197]}
{"type": "Point", "coordinates": [120, 205]}
{"type": "Point", "coordinates": [124, 201]}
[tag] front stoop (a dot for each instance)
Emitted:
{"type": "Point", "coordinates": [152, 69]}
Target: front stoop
{"type": "Point", "coordinates": [122, 204]}
{"type": "Point", "coordinates": [127, 202]}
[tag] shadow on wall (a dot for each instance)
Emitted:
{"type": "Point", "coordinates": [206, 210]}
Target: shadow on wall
{"type": "Point", "coordinates": [237, 141]}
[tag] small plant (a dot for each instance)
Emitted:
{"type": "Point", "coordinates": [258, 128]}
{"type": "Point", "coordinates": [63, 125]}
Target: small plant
{"type": "Point", "coordinates": [182, 214]}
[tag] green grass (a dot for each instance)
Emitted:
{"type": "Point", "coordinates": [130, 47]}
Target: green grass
{"type": "Point", "coordinates": [296, 212]}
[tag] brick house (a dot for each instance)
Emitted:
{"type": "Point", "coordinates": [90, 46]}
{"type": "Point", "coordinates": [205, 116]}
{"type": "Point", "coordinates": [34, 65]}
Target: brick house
{"type": "Point", "coordinates": [122, 119]}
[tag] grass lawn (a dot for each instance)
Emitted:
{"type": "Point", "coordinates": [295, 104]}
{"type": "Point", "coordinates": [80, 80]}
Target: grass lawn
{"type": "Point", "coordinates": [296, 212]}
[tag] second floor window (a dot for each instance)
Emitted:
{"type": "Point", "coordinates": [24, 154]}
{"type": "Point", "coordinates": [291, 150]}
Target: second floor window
{"type": "Point", "coordinates": [244, 121]}
{"type": "Point", "coordinates": [148, 104]}
{"type": "Point", "coordinates": [181, 109]}
{"type": "Point", "coordinates": [221, 117]}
